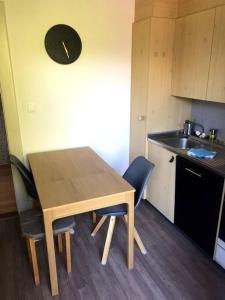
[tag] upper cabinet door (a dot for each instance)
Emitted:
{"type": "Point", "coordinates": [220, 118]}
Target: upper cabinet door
{"type": "Point", "coordinates": [193, 42]}
{"type": "Point", "coordinates": [216, 85]}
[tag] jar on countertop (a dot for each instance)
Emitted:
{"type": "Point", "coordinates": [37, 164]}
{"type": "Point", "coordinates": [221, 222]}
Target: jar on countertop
{"type": "Point", "coordinates": [212, 135]}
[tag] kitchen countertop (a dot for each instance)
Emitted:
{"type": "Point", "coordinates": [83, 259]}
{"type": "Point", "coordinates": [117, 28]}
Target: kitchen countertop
{"type": "Point", "coordinates": [217, 164]}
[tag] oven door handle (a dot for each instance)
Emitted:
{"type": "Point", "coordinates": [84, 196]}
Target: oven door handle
{"type": "Point", "coordinates": [193, 172]}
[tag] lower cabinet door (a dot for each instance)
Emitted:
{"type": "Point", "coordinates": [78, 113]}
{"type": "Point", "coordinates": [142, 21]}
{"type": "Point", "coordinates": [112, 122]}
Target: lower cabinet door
{"type": "Point", "coordinates": [161, 188]}
{"type": "Point", "coordinates": [197, 202]}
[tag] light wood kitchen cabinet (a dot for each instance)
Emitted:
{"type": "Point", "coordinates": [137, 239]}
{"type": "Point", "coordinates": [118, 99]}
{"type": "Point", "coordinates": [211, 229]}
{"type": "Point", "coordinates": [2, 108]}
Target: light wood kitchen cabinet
{"type": "Point", "coordinates": [216, 83]}
{"type": "Point", "coordinates": [153, 109]}
{"type": "Point", "coordinates": [139, 83]}
{"type": "Point", "coordinates": [164, 112]}
{"type": "Point", "coordinates": [192, 51]}
{"type": "Point", "coordinates": [161, 188]}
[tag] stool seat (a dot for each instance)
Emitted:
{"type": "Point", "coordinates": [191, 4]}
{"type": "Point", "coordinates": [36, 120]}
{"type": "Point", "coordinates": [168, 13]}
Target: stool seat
{"type": "Point", "coordinates": [32, 224]}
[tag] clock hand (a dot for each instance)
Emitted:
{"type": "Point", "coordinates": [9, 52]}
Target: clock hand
{"type": "Point", "coordinates": [64, 46]}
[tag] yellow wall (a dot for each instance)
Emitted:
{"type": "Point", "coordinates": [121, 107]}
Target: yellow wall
{"type": "Point", "coordinates": [10, 108]}
{"type": "Point", "coordinates": [87, 102]}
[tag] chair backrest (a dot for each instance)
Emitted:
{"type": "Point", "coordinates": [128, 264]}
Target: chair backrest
{"type": "Point", "coordinates": [26, 175]}
{"type": "Point", "coordinates": [138, 174]}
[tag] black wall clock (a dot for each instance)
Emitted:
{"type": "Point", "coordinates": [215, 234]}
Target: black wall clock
{"type": "Point", "coordinates": [63, 44]}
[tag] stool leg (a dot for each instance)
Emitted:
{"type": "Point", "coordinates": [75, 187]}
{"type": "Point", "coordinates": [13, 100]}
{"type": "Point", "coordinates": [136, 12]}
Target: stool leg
{"type": "Point", "coordinates": [34, 261]}
{"type": "Point", "coordinates": [108, 239]}
{"type": "Point", "coordinates": [60, 246]}
{"type": "Point", "coordinates": [28, 250]}
{"type": "Point", "coordinates": [94, 218]}
{"type": "Point", "coordinates": [98, 226]}
{"type": "Point", "coordinates": [68, 251]}
{"type": "Point", "coordinates": [137, 238]}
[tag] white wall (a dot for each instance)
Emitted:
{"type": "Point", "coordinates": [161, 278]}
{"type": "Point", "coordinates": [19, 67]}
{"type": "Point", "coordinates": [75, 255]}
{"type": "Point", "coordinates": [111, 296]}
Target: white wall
{"type": "Point", "coordinates": [87, 102]}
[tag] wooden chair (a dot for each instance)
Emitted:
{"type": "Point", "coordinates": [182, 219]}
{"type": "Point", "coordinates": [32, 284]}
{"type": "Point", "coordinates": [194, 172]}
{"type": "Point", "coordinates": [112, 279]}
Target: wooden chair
{"type": "Point", "coordinates": [32, 222]}
{"type": "Point", "coordinates": [137, 175]}
{"type": "Point", "coordinates": [32, 228]}
{"type": "Point", "coordinates": [26, 176]}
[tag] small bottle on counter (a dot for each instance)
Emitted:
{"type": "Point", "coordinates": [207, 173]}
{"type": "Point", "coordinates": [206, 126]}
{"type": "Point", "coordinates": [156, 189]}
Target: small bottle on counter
{"type": "Point", "coordinates": [212, 135]}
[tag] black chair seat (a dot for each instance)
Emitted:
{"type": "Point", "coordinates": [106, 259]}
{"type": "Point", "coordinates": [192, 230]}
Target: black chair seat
{"type": "Point", "coordinates": [136, 175]}
{"type": "Point", "coordinates": [32, 225]}
{"type": "Point", "coordinates": [31, 220]}
{"type": "Point", "coordinates": [30, 214]}
{"type": "Point", "coordinates": [116, 210]}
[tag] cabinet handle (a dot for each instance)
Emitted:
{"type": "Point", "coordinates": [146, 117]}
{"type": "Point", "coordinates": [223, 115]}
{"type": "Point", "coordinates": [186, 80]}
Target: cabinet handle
{"type": "Point", "coordinates": [141, 118]}
{"type": "Point", "coordinates": [192, 172]}
{"type": "Point", "coordinates": [171, 159]}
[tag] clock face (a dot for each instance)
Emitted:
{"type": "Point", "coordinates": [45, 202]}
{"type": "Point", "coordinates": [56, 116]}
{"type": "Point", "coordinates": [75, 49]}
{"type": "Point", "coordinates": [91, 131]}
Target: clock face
{"type": "Point", "coordinates": [63, 44]}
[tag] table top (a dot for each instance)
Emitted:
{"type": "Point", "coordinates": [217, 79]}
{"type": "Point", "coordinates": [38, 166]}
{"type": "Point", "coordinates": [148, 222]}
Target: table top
{"type": "Point", "coordinates": [67, 176]}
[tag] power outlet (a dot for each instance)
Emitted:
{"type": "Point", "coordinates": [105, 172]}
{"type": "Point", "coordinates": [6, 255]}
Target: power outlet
{"type": "Point", "coordinates": [31, 107]}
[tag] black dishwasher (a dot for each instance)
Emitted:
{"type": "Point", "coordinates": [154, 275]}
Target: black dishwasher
{"type": "Point", "coordinates": [197, 202]}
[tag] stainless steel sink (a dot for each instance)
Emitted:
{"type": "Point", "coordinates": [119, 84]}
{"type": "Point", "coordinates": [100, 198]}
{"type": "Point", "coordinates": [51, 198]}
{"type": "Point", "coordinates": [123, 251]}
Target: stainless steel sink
{"type": "Point", "coordinates": [181, 142]}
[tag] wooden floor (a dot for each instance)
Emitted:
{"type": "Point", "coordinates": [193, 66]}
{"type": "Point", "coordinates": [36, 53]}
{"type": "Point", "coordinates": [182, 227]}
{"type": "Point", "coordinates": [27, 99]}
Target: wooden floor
{"type": "Point", "coordinates": [174, 268]}
{"type": "Point", "coordinates": [7, 194]}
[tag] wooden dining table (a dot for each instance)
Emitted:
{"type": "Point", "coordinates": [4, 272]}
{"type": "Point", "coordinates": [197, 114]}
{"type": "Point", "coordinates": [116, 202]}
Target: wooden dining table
{"type": "Point", "coordinates": [74, 181]}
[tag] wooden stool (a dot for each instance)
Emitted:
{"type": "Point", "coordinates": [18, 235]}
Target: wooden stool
{"type": "Point", "coordinates": [33, 230]}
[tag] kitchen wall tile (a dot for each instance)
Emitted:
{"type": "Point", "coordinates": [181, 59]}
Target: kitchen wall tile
{"type": "Point", "coordinates": [210, 115]}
